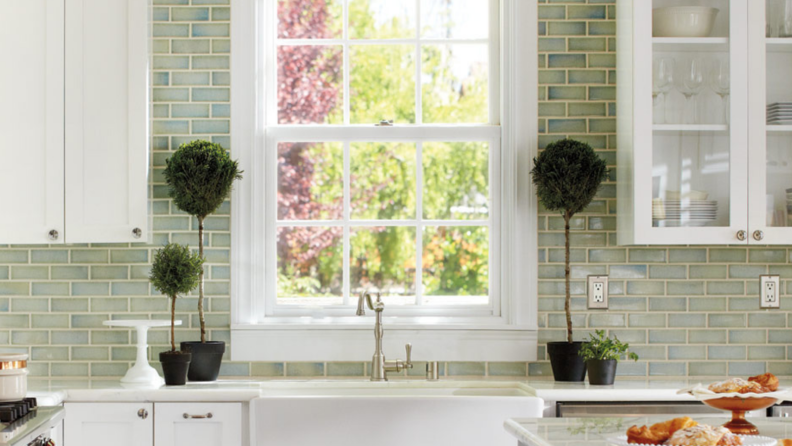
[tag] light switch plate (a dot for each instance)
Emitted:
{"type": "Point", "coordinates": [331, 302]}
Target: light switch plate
{"type": "Point", "coordinates": [598, 292]}
{"type": "Point", "coordinates": [769, 292]}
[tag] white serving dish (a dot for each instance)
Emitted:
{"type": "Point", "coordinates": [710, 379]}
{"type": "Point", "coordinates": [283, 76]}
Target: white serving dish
{"type": "Point", "coordinates": [683, 21]}
{"type": "Point", "coordinates": [748, 440]}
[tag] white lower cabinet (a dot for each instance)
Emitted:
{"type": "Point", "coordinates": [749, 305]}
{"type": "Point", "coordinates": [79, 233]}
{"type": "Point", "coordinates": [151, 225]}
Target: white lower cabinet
{"type": "Point", "coordinates": [160, 424]}
{"type": "Point", "coordinates": [198, 424]}
{"type": "Point", "coordinates": [102, 424]}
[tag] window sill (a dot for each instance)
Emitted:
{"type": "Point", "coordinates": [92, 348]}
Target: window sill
{"type": "Point", "coordinates": [318, 341]}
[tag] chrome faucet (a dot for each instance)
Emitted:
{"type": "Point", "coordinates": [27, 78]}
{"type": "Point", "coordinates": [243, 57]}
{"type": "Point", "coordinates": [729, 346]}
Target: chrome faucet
{"type": "Point", "coordinates": [379, 366]}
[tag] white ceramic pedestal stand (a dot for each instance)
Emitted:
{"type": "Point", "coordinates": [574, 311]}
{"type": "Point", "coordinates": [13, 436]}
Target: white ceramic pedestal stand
{"type": "Point", "coordinates": [141, 372]}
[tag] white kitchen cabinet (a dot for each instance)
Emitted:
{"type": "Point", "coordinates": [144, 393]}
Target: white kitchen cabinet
{"type": "Point", "coordinates": [160, 424]}
{"type": "Point", "coordinates": [697, 163]}
{"type": "Point", "coordinates": [198, 424]}
{"type": "Point", "coordinates": [75, 93]}
{"type": "Point", "coordinates": [31, 120]}
{"type": "Point", "coordinates": [102, 424]}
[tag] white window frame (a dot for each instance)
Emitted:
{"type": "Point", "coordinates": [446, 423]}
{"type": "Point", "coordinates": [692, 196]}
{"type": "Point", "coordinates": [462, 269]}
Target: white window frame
{"type": "Point", "coordinates": [508, 332]}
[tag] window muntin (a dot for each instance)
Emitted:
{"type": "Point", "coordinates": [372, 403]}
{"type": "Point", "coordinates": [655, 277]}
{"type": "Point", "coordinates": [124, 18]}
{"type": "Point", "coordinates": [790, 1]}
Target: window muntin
{"type": "Point", "coordinates": [411, 216]}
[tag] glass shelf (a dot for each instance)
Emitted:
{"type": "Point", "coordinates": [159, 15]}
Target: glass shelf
{"type": "Point", "coordinates": [691, 44]}
{"type": "Point", "coordinates": [690, 128]}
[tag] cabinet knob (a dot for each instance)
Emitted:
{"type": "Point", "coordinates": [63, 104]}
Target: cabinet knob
{"type": "Point", "coordinates": [143, 414]}
{"type": "Point", "coordinates": [137, 232]}
{"type": "Point", "coordinates": [741, 235]}
{"type": "Point", "coordinates": [758, 235]}
{"type": "Point", "coordinates": [53, 235]}
{"type": "Point", "coordinates": [197, 417]}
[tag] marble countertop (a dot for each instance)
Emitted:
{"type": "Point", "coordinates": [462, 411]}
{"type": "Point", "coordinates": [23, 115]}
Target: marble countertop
{"type": "Point", "coordinates": [55, 391]}
{"type": "Point", "coordinates": [595, 431]}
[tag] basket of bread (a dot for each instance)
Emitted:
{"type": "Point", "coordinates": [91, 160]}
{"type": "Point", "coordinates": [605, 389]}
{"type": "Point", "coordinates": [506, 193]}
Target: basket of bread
{"type": "Point", "coordinates": [684, 431]}
{"type": "Point", "coordinates": [739, 396]}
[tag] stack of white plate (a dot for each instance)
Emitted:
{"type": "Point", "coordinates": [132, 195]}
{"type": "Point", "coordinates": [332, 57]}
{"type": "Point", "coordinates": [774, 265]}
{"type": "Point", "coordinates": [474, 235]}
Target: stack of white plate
{"type": "Point", "coordinates": [779, 113]}
{"type": "Point", "coordinates": [673, 213]}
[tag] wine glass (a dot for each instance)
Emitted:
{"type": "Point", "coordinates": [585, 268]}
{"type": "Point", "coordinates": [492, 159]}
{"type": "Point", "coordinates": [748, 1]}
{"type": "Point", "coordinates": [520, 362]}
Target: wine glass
{"type": "Point", "coordinates": [662, 81]}
{"type": "Point", "coordinates": [689, 82]}
{"type": "Point", "coordinates": [720, 81]}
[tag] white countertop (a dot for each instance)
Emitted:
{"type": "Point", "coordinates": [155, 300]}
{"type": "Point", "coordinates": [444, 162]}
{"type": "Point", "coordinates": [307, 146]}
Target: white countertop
{"type": "Point", "coordinates": [55, 391]}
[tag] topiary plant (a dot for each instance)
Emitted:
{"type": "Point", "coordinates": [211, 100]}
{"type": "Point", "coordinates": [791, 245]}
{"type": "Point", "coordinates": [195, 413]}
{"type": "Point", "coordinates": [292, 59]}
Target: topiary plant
{"type": "Point", "coordinates": [175, 271]}
{"type": "Point", "coordinates": [200, 176]}
{"type": "Point", "coordinates": [567, 175]}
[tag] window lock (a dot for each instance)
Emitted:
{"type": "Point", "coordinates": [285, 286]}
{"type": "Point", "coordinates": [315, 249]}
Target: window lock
{"type": "Point", "coordinates": [385, 123]}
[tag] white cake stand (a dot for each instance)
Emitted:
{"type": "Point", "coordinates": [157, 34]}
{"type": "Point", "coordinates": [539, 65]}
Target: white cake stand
{"type": "Point", "coordinates": [141, 372]}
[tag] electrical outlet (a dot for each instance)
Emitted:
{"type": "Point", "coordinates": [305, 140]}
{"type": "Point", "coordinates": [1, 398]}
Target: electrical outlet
{"type": "Point", "coordinates": [598, 292]}
{"type": "Point", "coordinates": [769, 292]}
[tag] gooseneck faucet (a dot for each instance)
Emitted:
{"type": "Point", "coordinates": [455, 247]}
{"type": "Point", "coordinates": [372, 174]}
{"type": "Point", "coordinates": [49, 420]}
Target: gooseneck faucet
{"type": "Point", "coordinates": [379, 366]}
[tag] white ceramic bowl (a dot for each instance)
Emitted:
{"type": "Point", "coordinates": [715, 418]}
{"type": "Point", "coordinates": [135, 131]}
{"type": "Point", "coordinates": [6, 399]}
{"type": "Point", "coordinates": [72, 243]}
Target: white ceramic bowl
{"type": "Point", "coordinates": [683, 21]}
{"type": "Point", "coordinates": [13, 384]}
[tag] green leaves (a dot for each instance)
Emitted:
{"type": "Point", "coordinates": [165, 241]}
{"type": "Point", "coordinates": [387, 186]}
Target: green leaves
{"type": "Point", "coordinates": [568, 175]}
{"type": "Point", "coordinates": [200, 175]}
{"type": "Point", "coordinates": [603, 348]}
{"type": "Point", "coordinates": [175, 270]}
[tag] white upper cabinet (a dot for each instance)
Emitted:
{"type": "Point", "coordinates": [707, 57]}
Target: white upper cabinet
{"type": "Point", "coordinates": [696, 162]}
{"type": "Point", "coordinates": [74, 152]}
{"type": "Point", "coordinates": [106, 120]}
{"type": "Point", "coordinates": [31, 121]}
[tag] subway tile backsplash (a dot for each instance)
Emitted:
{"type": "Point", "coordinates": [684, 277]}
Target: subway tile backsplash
{"type": "Point", "coordinates": [686, 311]}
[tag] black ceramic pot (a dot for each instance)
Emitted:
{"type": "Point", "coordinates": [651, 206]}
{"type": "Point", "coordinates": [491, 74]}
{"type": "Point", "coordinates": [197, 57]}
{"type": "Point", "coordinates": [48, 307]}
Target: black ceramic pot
{"type": "Point", "coordinates": [601, 372]}
{"type": "Point", "coordinates": [206, 359]}
{"type": "Point", "coordinates": [567, 365]}
{"type": "Point", "coordinates": [174, 367]}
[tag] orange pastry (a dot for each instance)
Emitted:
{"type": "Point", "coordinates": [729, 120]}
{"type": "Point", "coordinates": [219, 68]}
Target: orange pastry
{"type": "Point", "coordinates": [768, 381]}
{"type": "Point", "coordinates": [736, 385]}
{"type": "Point", "coordinates": [704, 435]}
{"type": "Point", "coordinates": [658, 433]}
{"type": "Point", "coordinates": [784, 442]}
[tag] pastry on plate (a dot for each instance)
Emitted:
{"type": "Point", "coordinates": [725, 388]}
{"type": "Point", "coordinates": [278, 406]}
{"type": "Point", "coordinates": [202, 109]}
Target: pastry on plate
{"type": "Point", "coordinates": [703, 435]}
{"type": "Point", "coordinates": [784, 442]}
{"type": "Point", "coordinates": [768, 381]}
{"type": "Point", "coordinates": [736, 385]}
{"type": "Point", "coordinates": [658, 433]}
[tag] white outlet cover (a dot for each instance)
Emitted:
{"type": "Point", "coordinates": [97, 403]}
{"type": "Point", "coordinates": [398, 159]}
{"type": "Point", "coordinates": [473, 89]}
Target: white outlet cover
{"type": "Point", "coordinates": [769, 292]}
{"type": "Point", "coordinates": [598, 292]}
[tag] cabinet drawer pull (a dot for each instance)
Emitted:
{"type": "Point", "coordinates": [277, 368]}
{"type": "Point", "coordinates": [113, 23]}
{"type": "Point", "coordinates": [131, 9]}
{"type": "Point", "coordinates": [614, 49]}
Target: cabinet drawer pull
{"type": "Point", "coordinates": [143, 414]}
{"type": "Point", "coordinates": [197, 417]}
{"type": "Point", "coordinates": [758, 235]}
{"type": "Point", "coordinates": [53, 235]}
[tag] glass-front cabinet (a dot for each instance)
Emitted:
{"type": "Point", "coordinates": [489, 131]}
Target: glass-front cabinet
{"type": "Point", "coordinates": [705, 121]}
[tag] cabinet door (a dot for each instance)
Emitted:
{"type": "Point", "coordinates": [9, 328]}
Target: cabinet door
{"type": "Point", "coordinates": [106, 120]}
{"type": "Point", "coordinates": [682, 132]}
{"type": "Point", "coordinates": [31, 121]}
{"type": "Point", "coordinates": [102, 424]}
{"type": "Point", "coordinates": [770, 122]}
{"type": "Point", "coordinates": [198, 424]}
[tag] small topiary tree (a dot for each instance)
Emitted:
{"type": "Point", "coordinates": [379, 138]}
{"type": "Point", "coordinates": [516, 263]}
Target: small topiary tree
{"type": "Point", "coordinates": [175, 271]}
{"type": "Point", "coordinates": [567, 175]}
{"type": "Point", "coordinates": [200, 176]}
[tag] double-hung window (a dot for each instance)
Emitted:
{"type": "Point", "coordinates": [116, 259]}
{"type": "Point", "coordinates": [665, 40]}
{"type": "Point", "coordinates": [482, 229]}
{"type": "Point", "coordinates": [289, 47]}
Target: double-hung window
{"type": "Point", "coordinates": [373, 133]}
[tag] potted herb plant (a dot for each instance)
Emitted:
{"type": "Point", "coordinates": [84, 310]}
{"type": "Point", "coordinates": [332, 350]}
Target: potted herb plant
{"type": "Point", "coordinates": [200, 176]}
{"type": "Point", "coordinates": [602, 355]}
{"type": "Point", "coordinates": [175, 271]}
{"type": "Point", "coordinates": [567, 175]}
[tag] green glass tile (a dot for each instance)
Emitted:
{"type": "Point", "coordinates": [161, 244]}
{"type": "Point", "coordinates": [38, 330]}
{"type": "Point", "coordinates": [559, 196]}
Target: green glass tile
{"type": "Point", "coordinates": [129, 289]}
{"type": "Point", "coordinates": [766, 255]}
{"type": "Point", "coordinates": [687, 320]}
{"type": "Point", "coordinates": [647, 320]}
{"type": "Point", "coordinates": [305, 369]}
{"type": "Point", "coordinates": [49, 256]}
{"type": "Point", "coordinates": [190, 46]}
{"type": "Point", "coordinates": [171, 30]}
{"type": "Point", "coordinates": [566, 28]}
{"type": "Point", "coordinates": [721, 288]}
{"type": "Point", "coordinates": [755, 336]}
{"type": "Point", "coordinates": [601, 93]}
{"type": "Point", "coordinates": [746, 271]}
{"type": "Point", "coordinates": [507, 369]}
{"type": "Point", "coordinates": [49, 353]}
{"type": "Point", "coordinates": [189, 14]}
{"type": "Point", "coordinates": [69, 304]}
{"type": "Point", "coordinates": [13, 256]}
{"type": "Point", "coordinates": [746, 368]}
{"type": "Point", "coordinates": [14, 289]}
{"type": "Point", "coordinates": [109, 272]}
{"type": "Point", "coordinates": [601, 28]}
{"type": "Point", "coordinates": [90, 256]}
{"type": "Point", "coordinates": [220, 13]}
{"type": "Point", "coordinates": [69, 337]}
{"type": "Point", "coordinates": [646, 287]}
{"type": "Point", "coordinates": [647, 255]}
{"type": "Point", "coordinates": [346, 369]}
{"type": "Point", "coordinates": [708, 336]}
{"type": "Point", "coordinates": [566, 93]}
{"type": "Point", "coordinates": [731, 352]}
{"type": "Point", "coordinates": [29, 304]}
{"type": "Point", "coordinates": [466, 368]}
{"type": "Point", "coordinates": [599, 320]}
{"type": "Point", "coordinates": [69, 369]}
{"type": "Point", "coordinates": [686, 352]}
{"type": "Point", "coordinates": [38, 337]}
{"type": "Point", "coordinates": [707, 272]}
{"type": "Point", "coordinates": [552, 44]}
{"type": "Point", "coordinates": [50, 321]}
{"type": "Point", "coordinates": [103, 337]}
{"type": "Point", "coordinates": [161, 127]}
{"type": "Point", "coordinates": [767, 320]}
{"type": "Point", "coordinates": [566, 61]}
{"type": "Point", "coordinates": [707, 369]}
{"type": "Point", "coordinates": [743, 303]}
{"type": "Point", "coordinates": [50, 289]}
{"type": "Point", "coordinates": [29, 272]}
{"type": "Point", "coordinates": [90, 289]}
{"type": "Point", "coordinates": [588, 44]}
{"type": "Point", "coordinates": [221, 78]}
{"type": "Point", "coordinates": [602, 61]}
{"type": "Point", "coordinates": [90, 353]}
{"type": "Point", "coordinates": [170, 63]}
{"type": "Point", "coordinates": [649, 352]}
{"type": "Point", "coordinates": [148, 305]}
{"type": "Point", "coordinates": [211, 126]}
{"type": "Point", "coordinates": [667, 369]}
{"type": "Point", "coordinates": [104, 304]}
{"type": "Point", "coordinates": [687, 288]}
{"type": "Point", "coordinates": [728, 255]}
{"type": "Point", "coordinates": [69, 272]}
{"type": "Point", "coordinates": [210, 63]}
{"type": "Point", "coordinates": [630, 336]}
{"type": "Point", "coordinates": [780, 368]}
{"type": "Point", "coordinates": [586, 109]}
{"type": "Point", "coordinates": [108, 369]}
{"type": "Point", "coordinates": [675, 336]}
{"type": "Point", "coordinates": [762, 352]}
{"type": "Point", "coordinates": [540, 369]}
{"type": "Point", "coordinates": [727, 320]}
{"type": "Point", "coordinates": [586, 12]}
{"type": "Point", "coordinates": [547, 12]}
{"type": "Point", "coordinates": [707, 304]}
{"type": "Point", "coordinates": [88, 321]}
{"type": "Point", "coordinates": [667, 272]}
{"type": "Point", "coordinates": [667, 304]}
{"type": "Point", "coordinates": [607, 255]}
{"type": "Point", "coordinates": [211, 30]}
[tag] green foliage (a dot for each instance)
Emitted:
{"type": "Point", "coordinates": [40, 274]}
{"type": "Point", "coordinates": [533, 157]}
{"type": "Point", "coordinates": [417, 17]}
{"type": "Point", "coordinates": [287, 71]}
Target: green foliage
{"type": "Point", "coordinates": [200, 175]}
{"type": "Point", "coordinates": [568, 175]}
{"type": "Point", "coordinates": [175, 270]}
{"type": "Point", "coordinates": [604, 348]}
